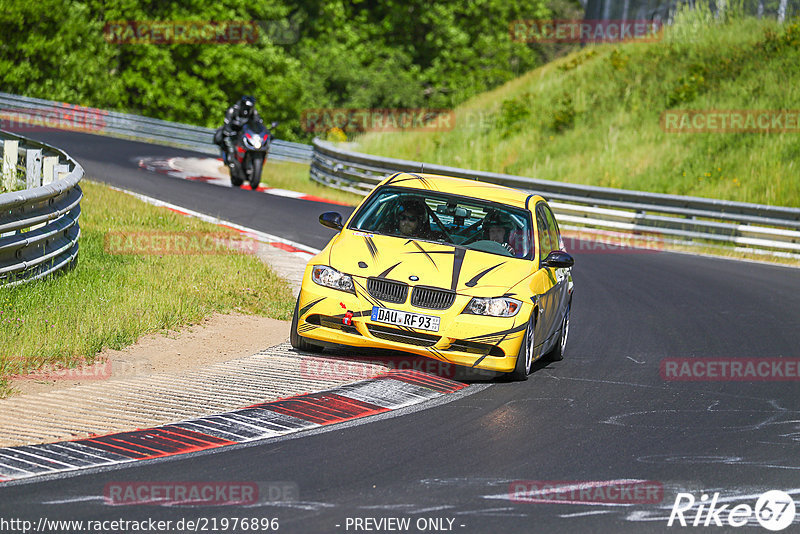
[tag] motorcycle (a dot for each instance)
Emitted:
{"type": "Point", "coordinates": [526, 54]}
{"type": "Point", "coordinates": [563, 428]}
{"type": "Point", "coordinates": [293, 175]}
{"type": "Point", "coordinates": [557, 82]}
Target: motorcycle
{"type": "Point", "coordinates": [249, 152]}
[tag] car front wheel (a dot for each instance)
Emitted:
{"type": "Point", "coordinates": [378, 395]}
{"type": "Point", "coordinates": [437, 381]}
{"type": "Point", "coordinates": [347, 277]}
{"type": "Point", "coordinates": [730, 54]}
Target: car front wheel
{"type": "Point", "coordinates": [525, 356]}
{"type": "Point", "coordinates": [298, 342]}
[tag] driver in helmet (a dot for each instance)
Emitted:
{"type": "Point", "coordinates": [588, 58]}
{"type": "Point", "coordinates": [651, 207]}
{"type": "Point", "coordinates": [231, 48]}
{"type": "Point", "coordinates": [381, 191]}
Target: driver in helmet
{"type": "Point", "coordinates": [497, 227]}
{"type": "Point", "coordinates": [412, 219]}
{"type": "Point", "coordinates": [242, 112]}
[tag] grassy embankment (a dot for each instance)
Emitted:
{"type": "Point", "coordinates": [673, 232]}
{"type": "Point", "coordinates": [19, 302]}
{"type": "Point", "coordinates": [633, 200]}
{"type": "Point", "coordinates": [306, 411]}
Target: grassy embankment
{"type": "Point", "coordinates": [593, 117]}
{"type": "Point", "coordinates": [110, 300]}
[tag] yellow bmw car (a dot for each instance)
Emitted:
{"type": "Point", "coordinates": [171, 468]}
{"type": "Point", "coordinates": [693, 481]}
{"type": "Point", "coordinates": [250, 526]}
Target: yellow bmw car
{"type": "Point", "coordinates": [468, 273]}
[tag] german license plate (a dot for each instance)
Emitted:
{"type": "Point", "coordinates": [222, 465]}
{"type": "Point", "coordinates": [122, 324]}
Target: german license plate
{"type": "Point", "coordinates": [401, 318]}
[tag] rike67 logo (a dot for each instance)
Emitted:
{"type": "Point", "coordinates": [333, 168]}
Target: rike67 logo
{"type": "Point", "coordinates": [774, 510]}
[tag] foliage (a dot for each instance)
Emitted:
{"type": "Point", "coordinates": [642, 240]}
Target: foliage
{"type": "Point", "coordinates": [347, 53]}
{"type": "Point", "coordinates": [513, 113]}
{"type": "Point", "coordinates": [597, 120]}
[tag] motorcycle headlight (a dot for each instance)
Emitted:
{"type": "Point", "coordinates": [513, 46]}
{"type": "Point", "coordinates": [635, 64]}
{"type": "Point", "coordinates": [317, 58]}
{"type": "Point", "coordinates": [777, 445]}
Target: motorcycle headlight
{"type": "Point", "coordinates": [256, 142]}
{"type": "Point", "coordinates": [496, 307]}
{"type": "Point", "coordinates": [330, 277]}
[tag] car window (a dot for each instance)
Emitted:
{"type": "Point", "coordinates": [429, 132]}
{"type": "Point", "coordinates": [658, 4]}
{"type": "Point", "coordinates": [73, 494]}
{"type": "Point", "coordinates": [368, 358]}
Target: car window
{"type": "Point", "coordinates": [555, 237]}
{"type": "Point", "coordinates": [467, 222]}
{"type": "Point", "coordinates": [543, 235]}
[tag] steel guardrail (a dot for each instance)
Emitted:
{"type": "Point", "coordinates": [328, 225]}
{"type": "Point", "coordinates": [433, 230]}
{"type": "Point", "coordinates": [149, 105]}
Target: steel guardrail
{"type": "Point", "coordinates": [39, 228]}
{"type": "Point", "coordinates": [48, 113]}
{"type": "Point", "coordinates": [760, 228]}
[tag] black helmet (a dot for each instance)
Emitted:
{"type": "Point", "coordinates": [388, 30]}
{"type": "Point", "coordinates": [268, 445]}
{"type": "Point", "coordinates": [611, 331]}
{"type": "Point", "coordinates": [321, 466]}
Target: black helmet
{"type": "Point", "coordinates": [246, 105]}
{"type": "Point", "coordinates": [498, 218]}
{"type": "Point", "coordinates": [413, 206]}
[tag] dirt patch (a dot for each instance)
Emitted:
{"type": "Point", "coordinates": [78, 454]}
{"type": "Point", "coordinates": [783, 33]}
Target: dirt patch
{"type": "Point", "coordinates": [219, 338]}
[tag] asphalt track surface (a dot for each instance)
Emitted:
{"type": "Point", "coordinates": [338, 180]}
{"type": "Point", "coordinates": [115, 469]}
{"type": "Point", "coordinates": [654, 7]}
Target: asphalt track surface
{"type": "Point", "coordinates": [604, 413]}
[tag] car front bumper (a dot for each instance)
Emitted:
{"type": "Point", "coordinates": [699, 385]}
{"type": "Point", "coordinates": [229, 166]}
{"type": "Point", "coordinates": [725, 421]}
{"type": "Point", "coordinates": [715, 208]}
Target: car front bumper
{"type": "Point", "coordinates": [480, 342]}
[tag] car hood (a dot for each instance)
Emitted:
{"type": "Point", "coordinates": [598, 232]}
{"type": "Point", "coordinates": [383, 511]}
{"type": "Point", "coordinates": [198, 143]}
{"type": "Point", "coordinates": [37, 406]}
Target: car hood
{"type": "Point", "coordinates": [469, 272]}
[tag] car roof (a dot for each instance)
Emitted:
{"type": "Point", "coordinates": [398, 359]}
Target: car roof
{"type": "Point", "coordinates": [467, 188]}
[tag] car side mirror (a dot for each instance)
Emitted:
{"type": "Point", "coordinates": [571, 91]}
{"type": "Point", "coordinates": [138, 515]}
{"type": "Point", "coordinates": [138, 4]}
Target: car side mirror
{"type": "Point", "coordinates": [331, 219]}
{"type": "Point", "coordinates": [558, 259]}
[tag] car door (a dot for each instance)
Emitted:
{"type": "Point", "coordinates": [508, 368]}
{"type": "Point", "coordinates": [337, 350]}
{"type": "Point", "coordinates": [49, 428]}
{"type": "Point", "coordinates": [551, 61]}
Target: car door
{"type": "Point", "coordinates": [544, 284]}
{"type": "Point", "coordinates": [561, 293]}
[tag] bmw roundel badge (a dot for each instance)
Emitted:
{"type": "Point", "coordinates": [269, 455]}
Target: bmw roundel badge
{"type": "Point", "coordinates": [413, 278]}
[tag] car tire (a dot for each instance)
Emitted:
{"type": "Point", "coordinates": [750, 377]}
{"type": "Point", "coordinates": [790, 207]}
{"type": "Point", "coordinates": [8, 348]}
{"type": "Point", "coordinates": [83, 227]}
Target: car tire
{"type": "Point", "coordinates": [525, 356]}
{"type": "Point", "coordinates": [556, 354]}
{"type": "Point", "coordinates": [298, 342]}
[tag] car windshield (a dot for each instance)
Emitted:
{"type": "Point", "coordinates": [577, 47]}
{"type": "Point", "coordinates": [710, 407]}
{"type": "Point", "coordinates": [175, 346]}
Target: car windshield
{"type": "Point", "coordinates": [461, 221]}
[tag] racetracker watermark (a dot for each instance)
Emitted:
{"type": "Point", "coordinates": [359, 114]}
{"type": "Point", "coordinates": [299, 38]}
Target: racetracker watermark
{"type": "Point", "coordinates": [585, 242]}
{"type": "Point", "coordinates": [586, 491]}
{"type": "Point", "coordinates": [377, 120]}
{"type": "Point", "coordinates": [341, 369]}
{"type": "Point", "coordinates": [199, 493]}
{"type": "Point", "coordinates": [51, 371]}
{"type": "Point", "coordinates": [730, 369]}
{"type": "Point", "coordinates": [61, 117]}
{"type": "Point", "coordinates": [155, 243]}
{"type": "Point", "coordinates": [774, 510]}
{"type": "Point", "coordinates": [584, 31]}
{"type": "Point", "coordinates": [170, 32]}
{"type": "Point", "coordinates": [730, 121]}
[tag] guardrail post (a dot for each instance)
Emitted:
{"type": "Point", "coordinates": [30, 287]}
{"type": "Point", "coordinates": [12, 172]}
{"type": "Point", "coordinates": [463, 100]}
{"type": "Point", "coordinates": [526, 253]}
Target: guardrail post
{"type": "Point", "coordinates": [60, 171]}
{"type": "Point", "coordinates": [33, 168]}
{"type": "Point", "coordinates": [48, 169]}
{"type": "Point", "coordinates": [10, 155]}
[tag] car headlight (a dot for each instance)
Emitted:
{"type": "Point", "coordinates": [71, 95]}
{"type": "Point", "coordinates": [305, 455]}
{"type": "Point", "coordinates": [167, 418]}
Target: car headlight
{"type": "Point", "coordinates": [496, 307]}
{"type": "Point", "coordinates": [330, 277]}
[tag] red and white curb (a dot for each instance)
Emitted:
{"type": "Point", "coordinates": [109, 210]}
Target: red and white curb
{"type": "Point", "coordinates": [390, 391]}
{"type": "Point", "coordinates": [208, 170]}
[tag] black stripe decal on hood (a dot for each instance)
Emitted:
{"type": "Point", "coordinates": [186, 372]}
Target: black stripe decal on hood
{"type": "Point", "coordinates": [423, 251]}
{"type": "Point", "coordinates": [474, 281]}
{"type": "Point", "coordinates": [458, 261]}
{"type": "Point", "coordinates": [373, 250]}
{"type": "Point", "coordinates": [387, 271]}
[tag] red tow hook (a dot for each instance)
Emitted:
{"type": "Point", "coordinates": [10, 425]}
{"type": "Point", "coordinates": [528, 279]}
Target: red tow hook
{"type": "Point", "coordinates": [347, 320]}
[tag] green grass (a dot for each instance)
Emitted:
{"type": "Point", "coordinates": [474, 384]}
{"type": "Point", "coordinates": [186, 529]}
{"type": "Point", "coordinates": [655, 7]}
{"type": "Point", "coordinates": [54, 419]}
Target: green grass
{"type": "Point", "coordinates": [593, 117]}
{"type": "Point", "coordinates": [110, 300]}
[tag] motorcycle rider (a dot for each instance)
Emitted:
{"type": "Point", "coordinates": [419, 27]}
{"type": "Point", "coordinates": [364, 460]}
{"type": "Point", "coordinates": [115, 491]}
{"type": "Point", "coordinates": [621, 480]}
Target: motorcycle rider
{"type": "Point", "coordinates": [241, 113]}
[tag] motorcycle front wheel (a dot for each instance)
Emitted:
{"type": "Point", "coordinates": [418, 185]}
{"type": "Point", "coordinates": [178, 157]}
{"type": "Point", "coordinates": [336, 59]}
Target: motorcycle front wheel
{"type": "Point", "coordinates": [257, 164]}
